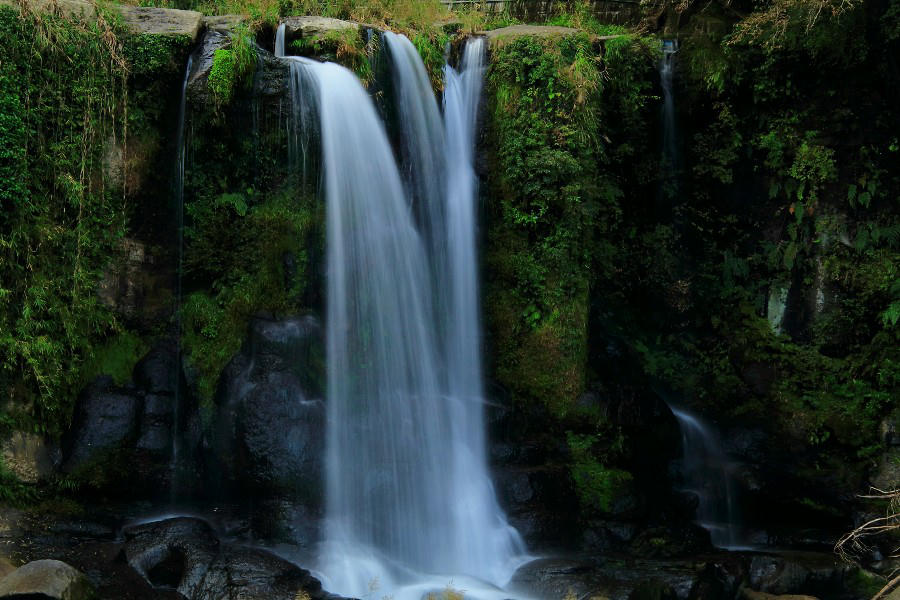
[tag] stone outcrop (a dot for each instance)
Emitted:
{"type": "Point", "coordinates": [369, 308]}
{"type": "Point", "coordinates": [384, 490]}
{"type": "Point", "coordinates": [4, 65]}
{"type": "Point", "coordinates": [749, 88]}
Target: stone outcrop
{"type": "Point", "coordinates": [162, 21]}
{"type": "Point", "coordinates": [313, 26]}
{"type": "Point", "coordinates": [46, 579]}
{"type": "Point", "coordinates": [138, 19]}
{"type": "Point", "coordinates": [29, 456]}
{"type": "Point", "coordinates": [269, 437]}
{"type": "Point", "coordinates": [530, 30]}
{"type": "Point", "coordinates": [185, 554]}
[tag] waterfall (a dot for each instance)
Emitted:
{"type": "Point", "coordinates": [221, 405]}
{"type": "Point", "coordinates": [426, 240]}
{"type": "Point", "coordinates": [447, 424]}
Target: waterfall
{"type": "Point", "coordinates": [178, 193]}
{"type": "Point", "coordinates": [669, 159]}
{"type": "Point", "coordinates": [410, 506]}
{"type": "Point", "coordinates": [707, 473]}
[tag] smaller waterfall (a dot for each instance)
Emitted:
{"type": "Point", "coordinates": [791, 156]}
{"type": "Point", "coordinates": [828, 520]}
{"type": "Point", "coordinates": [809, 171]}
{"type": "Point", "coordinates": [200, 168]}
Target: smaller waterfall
{"type": "Point", "coordinates": [707, 473]}
{"type": "Point", "coordinates": [302, 121]}
{"type": "Point", "coordinates": [178, 193]}
{"type": "Point", "coordinates": [669, 159]}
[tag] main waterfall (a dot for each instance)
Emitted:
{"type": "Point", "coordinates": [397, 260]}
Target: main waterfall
{"type": "Point", "coordinates": [410, 505]}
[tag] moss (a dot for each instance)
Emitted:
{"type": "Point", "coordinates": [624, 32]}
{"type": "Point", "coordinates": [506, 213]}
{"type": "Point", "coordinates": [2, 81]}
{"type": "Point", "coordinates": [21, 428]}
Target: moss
{"type": "Point", "coordinates": [552, 199]}
{"type": "Point", "coordinates": [241, 249]}
{"type": "Point", "coordinates": [222, 76]}
{"type": "Point", "coordinates": [116, 358]}
{"type": "Point", "coordinates": [232, 67]}
{"type": "Point", "coordinates": [154, 55]}
{"type": "Point", "coordinates": [598, 486]}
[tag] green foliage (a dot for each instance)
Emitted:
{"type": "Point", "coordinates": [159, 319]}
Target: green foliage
{"type": "Point", "coordinates": [344, 46]}
{"type": "Point", "coordinates": [598, 486]}
{"type": "Point", "coordinates": [116, 358]}
{"type": "Point", "coordinates": [13, 491]}
{"type": "Point", "coordinates": [154, 55]}
{"type": "Point", "coordinates": [555, 105]}
{"type": "Point", "coordinates": [239, 245]}
{"type": "Point", "coordinates": [60, 220]}
{"type": "Point", "coordinates": [233, 67]}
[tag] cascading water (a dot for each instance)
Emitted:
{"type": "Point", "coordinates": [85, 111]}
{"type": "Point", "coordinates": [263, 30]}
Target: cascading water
{"type": "Point", "coordinates": [410, 506]}
{"type": "Point", "coordinates": [669, 160]}
{"type": "Point", "coordinates": [178, 193]}
{"type": "Point", "coordinates": [707, 473]}
{"type": "Point", "coordinates": [421, 140]}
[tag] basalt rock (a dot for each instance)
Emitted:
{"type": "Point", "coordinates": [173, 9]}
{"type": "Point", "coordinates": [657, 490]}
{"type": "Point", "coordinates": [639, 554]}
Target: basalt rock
{"type": "Point", "coordinates": [48, 579]}
{"type": "Point", "coordinates": [269, 437]}
{"type": "Point", "coordinates": [29, 456]}
{"type": "Point", "coordinates": [106, 417]}
{"type": "Point", "coordinates": [186, 555]}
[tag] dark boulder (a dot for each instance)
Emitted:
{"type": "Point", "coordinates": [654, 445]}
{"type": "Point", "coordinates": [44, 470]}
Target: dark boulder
{"type": "Point", "coordinates": [268, 440]}
{"type": "Point", "coordinates": [157, 421]}
{"type": "Point", "coordinates": [172, 554]}
{"type": "Point", "coordinates": [157, 371]}
{"type": "Point", "coordinates": [186, 555]}
{"type": "Point", "coordinates": [241, 573]}
{"type": "Point", "coordinates": [106, 417]}
{"type": "Point", "coordinates": [46, 579]}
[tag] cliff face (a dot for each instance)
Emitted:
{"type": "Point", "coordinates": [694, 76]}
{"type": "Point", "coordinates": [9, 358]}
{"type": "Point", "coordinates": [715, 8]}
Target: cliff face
{"type": "Point", "coordinates": [751, 281]}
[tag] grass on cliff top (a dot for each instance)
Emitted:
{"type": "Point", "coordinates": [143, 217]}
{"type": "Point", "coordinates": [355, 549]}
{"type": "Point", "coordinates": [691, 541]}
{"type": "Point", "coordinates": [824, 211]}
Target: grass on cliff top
{"type": "Point", "coordinates": [401, 15]}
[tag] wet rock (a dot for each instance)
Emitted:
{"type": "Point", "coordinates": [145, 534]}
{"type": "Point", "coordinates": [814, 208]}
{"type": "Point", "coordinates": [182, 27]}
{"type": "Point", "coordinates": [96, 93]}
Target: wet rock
{"type": "Point", "coordinates": [561, 578]}
{"type": "Point", "coordinates": [6, 567]}
{"type": "Point", "coordinates": [246, 574]}
{"type": "Point", "coordinates": [29, 457]}
{"type": "Point", "coordinates": [887, 475]}
{"type": "Point", "coordinates": [172, 554]}
{"type": "Point", "coordinates": [281, 437]}
{"type": "Point", "coordinates": [797, 573]}
{"type": "Point", "coordinates": [46, 579]}
{"type": "Point", "coordinates": [613, 579]}
{"type": "Point", "coordinates": [672, 541]}
{"type": "Point", "coordinates": [269, 434]}
{"type": "Point", "coordinates": [139, 285]}
{"type": "Point", "coordinates": [203, 59]}
{"type": "Point", "coordinates": [157, 423]}
{"type": "Point", "coordinates": [748, 594]}
{"type": "Point", "coordinates": [157, 371]}
{"type": "Point", "coordinates": [185, 554]}
{"type": "Point", "coordinates": [106, 417]}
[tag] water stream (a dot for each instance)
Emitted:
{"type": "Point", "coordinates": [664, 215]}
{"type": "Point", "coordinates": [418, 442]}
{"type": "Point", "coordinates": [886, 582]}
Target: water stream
{"type": "Point", "coordinates": [178, 192]}
{"type": "Point", "coordinates": [410, 506]}
{"type": "Point", "coordinates": [669, 141]}
{"type": "Point", "coordinates": [708, 474]}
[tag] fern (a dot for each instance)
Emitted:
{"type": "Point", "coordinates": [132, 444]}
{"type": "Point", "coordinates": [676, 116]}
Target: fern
{"type": "Point", "coordinates": [891, 316]}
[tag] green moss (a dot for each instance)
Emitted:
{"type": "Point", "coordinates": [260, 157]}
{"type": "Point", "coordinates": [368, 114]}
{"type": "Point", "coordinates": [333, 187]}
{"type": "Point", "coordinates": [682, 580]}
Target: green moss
{"type": "Point", "coordinates": [222, 75]}
{"type": "Point", "coordinates": [232, 67]}
{"type": "Point", "coordinates": [598, 486]}
{"type": "Point", "coordinates": [240, 247]}
{"type": "Point", "coordinates": [156, 55]}
{"type": "Point", "coordinates": [116, 358]}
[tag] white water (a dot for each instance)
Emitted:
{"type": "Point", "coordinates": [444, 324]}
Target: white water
{"type": "Point", "coordinates": [669, 161]}
{"type": "Point", "coordinates": [707, 473]}
{"type": "Point", "coordinates": [410, 506]}
{"type": "Point", "coordinates": [179, 207]}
